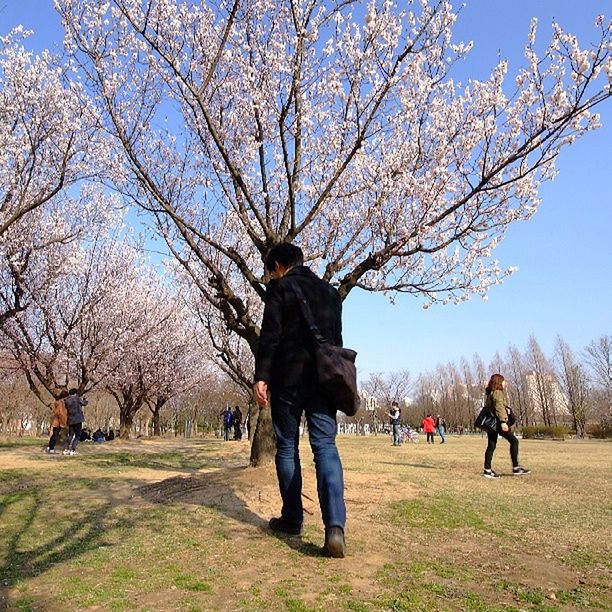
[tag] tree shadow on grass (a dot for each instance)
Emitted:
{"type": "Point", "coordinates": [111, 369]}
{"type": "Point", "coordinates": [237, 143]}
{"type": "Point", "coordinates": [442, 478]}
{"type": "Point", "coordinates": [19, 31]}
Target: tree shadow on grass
{"type": "Point", "coordinates": [227, 491]}
{"type": "Point", "coordinates": [211, 489]}
{"type": "Point", "coordinates": [21, 561]}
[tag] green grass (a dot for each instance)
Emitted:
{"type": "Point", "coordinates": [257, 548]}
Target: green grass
{"type": "Point", "coordinates": [440, 511]}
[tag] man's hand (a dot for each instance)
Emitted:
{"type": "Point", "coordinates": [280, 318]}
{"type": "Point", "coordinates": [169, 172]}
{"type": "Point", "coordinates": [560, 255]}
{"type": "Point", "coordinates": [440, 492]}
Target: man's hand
{"type": "Point", "coordinates": [260, 391]}
{"type": "Point", "coordinates": [504, 426]}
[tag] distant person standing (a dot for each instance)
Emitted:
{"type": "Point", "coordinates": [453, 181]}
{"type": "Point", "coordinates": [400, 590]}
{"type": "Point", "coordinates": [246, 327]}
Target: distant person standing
{"type": "Point", "coordinates": [441, 428]}
{"type": "Point", "coordinates": [495, 402]}
{"type": "Point", "coordinates": [59, 421]}
{"type": "Point", "coordinates": [74, 408]}
{"type": "Point", "coordinates": [228, 419]}
{"type": "Point", "coordinates": [395, 418]}
{"type": "Point", "coordinates": [429, 427]}
{"type": "Point", "coordinates": [237, 421]}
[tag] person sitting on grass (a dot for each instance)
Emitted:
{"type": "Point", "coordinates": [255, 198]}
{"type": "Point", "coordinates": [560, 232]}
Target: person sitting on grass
{"type": "Point", "coordinates": [98, 436]}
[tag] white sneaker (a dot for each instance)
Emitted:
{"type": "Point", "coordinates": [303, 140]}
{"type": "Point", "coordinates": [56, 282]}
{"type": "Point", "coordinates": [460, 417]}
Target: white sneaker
{"type": "Point", "coordinates": [51, 451]}
{"type": "Point", "coordinates": [65, 452]}
{"type": "Point", "coordinates": [490, 474]}
{"type": "Point", "coordinates": [72, 453]}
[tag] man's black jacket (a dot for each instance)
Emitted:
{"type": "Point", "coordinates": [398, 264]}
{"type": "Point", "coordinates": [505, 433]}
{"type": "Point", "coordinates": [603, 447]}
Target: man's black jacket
{"type": "Point", "coordinates": [285, 353]}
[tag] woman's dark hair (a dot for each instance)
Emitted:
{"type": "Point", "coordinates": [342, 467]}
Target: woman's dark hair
{"type": "Point", "coordinates": [495, 384]}
{"type": "Point", "coordinates": [286, 255]}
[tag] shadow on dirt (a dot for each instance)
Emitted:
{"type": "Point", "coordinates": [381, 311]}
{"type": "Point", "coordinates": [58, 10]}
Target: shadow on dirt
{"type": "Point", "coordinates": [218, 490]}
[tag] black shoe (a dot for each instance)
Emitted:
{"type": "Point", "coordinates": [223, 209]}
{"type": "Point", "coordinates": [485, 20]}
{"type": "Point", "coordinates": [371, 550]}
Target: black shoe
{"type": "Point", "coordinates": [280, 526]}
{"type": "Point", "coordinates": [335, 545]}
{"type": "Point", "coordinates": [490, 474]}
{"type": "Point", "coordinates": [520, 471]}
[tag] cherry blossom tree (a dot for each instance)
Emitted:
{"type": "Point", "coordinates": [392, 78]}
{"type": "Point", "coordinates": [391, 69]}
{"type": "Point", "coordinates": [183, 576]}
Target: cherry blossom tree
{"type": "Point", "coordinates": [47, 143]}
{"type": "Point", "coordinates": [334, 124]}
{"type": "Point", "coordinates": [79, 319]}
{"type": "Point", "coordinates": [179, 365]}
{"type": "Point", "coordinates": [160, 357]}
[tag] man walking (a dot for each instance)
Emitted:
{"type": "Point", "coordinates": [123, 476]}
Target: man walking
{"type": "Point", "coordinates": [74, 408]}
{"type": "Point", "coordinates": [285, 369]}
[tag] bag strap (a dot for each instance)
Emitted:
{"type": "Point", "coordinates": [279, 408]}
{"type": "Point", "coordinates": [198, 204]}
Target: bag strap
{"type": "Point", "coordinates": [307, 313]}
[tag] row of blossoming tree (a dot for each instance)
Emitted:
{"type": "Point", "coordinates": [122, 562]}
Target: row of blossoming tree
{"type": "Point", "coordinates": [233, 126]}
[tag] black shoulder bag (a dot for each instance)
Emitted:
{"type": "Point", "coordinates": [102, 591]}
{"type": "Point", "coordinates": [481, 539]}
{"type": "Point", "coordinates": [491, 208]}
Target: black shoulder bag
{"type": "Point", "coordinates": [334, 365]}
{"type": "Point", "coordinates": [486, 420]}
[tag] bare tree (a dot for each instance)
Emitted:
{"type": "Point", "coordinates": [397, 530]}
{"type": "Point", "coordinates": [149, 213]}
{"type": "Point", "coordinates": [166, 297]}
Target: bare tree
{"type": "Point", "coordinates": [387, 388]}
{"type": "Point", "coordinates": [518, 392]}
{"type": "Point", "coordinates": [599, 360]}
{"type": "Point", "coordinates": [575, 384]}
{"type": "Point", "coordinates": [541, 383]}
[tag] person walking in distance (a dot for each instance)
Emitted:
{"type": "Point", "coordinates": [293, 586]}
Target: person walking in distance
{"type": "Point", "coordinates": [59, 421]}
{"type": "Point", "coordinates": [237, 421]}
{"type": "Point", "coordinates": [285, 370]}
{"type": "Point", "coordinates": [429, 427]}
{"type": "Point", "coordinates": [395, 418]}
{"type": "Point", "coordinates": [441, 428]}
{"type": "Point", "coordinates": [495, 403]}
{"type": "Point", "coordinates": [74, 408]}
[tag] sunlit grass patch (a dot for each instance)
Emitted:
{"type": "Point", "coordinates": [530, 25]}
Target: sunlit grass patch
{"type": "Point", "coordinates": [584, 558]}
{"type": "Point", "coordinates": [25, 441]}
{"type": "Point", "coordinates": [192, 583]}
{"type": "Point", "coordinates": [439, 511]}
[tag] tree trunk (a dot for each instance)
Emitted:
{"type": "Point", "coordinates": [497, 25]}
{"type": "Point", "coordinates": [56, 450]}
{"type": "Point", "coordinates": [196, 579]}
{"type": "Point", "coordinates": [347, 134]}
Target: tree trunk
{"type": "Point", "coordinates": [264, 440]}
{"type": "Point", "coordinates": [156, 419]}
{"type": "Point", "coordinates": [126, 420]}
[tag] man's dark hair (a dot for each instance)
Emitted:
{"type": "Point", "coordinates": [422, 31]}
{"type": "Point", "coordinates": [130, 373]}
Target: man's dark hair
{"type": "Point", "coordinates": [286, 255]}
{"type": "Point", "coordinates": [72, 392]}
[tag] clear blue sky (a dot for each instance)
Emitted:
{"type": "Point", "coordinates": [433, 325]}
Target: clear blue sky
{"type": "Point", "coordinates": [564, 256]}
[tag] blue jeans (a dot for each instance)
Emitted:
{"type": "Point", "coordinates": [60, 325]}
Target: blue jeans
{"type": "Point", "coordinates": [287, 406]}
{"type": "Point", "coordinates": [441, 432]}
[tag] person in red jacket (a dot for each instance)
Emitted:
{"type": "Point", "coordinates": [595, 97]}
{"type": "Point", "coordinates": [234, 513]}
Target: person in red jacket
{"type": "Point", "coordinates": [429, 426]}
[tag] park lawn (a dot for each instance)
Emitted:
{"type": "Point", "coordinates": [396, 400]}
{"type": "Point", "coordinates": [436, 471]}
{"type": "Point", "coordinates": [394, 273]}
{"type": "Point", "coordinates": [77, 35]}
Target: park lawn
{"type": "Point", "coordinates": [181, 525]}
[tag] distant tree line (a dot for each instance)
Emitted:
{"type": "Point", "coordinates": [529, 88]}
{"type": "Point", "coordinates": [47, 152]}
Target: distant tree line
{"type": "Point", "coordinates": [569, 387]}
